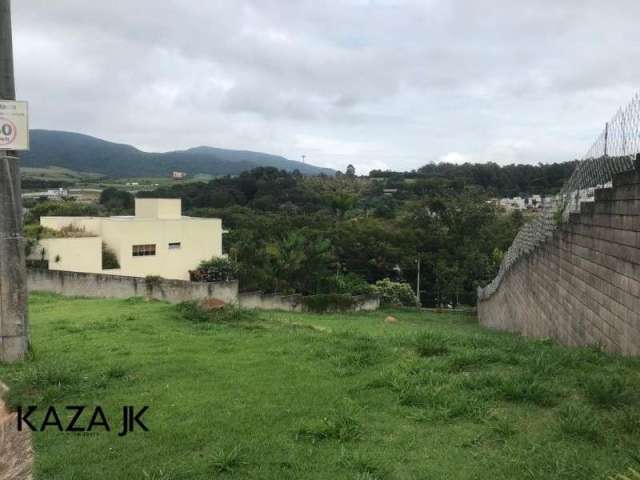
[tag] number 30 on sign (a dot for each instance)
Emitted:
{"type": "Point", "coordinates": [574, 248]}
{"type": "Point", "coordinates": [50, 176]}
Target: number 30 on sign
{"type": "Point", "coordinates": [14, 125]}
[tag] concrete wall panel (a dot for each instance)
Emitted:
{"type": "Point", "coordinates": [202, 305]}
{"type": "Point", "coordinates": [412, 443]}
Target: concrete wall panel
{"type": "Point", "coordinates": [582, 286]}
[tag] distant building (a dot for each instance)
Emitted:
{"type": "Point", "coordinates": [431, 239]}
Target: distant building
{"type": "Point", "coordinates": [58, 192]}
{"type": "Point", "coordinates": [52, 194]}
{"type": "Point", "coordinates": [389, 191]}
{"type": "Point", "coordinates": [515, 203]}
{"type": "Point", "coordinates": [534, 202]}
{"type": "Point", "coordinates": [157, 240]}
{"type": "Point", "coordinates": [178, 175]}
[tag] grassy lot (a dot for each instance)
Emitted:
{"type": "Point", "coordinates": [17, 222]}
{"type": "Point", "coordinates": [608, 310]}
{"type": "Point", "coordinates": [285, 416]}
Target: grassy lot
{"type": "Point", "coordinates": [144, 183]}
{"type": "Point", "coordinates": [279, 395]}
{"type": "Point", "coordinates": [57, 174]}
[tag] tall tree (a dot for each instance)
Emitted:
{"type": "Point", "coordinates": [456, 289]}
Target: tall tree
{"type": "Point", "coordinates": [350, 171]}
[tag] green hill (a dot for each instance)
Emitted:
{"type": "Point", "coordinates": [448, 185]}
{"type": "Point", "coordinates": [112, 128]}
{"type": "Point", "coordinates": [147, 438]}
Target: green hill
{"type": "Point", "coordinates": [84, 153]}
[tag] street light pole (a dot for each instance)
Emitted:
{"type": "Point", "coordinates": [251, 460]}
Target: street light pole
{"type": "Point", "coordinates": [418, 303]}
{"type": "Point", "coordinates": [14, 328]}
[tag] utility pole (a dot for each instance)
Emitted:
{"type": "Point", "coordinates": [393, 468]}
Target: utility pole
{"type": "Point", "coordinates": [418, 303]}
{"type": "Point", "coordinates": [14, 327]}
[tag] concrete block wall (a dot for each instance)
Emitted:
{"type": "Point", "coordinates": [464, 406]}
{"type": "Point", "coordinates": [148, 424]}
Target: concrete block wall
{"type": "Point", "coordinates": [73, 284]}
{"type": "Point", "coordinates": [582, 286]}
{"type": "Point", "coordinates": [294, 303]}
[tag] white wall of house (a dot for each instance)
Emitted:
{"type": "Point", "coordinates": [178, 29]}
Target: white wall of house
{"type": "Point", "coordinates": [180, 243]}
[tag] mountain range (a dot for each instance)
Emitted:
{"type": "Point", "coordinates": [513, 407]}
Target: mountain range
{"type": "Point", "coordinates": [85, 153]}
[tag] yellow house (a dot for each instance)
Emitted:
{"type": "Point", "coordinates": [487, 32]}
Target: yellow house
{"type": "Point", "coordinates": [157, 240]}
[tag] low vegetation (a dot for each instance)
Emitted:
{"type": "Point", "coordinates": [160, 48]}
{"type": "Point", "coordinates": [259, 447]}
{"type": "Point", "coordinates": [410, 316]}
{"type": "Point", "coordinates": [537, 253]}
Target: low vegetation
{"type": "Point", "coordinates": [221, 269]}
{"type": "Point", "coordinates": [277, 395]}
{"type": "Point", "coordinates": [323, 303]}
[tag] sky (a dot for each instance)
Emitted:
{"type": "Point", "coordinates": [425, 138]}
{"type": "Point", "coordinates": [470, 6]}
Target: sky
{"type": "Point", "coordinates": [379, 84]}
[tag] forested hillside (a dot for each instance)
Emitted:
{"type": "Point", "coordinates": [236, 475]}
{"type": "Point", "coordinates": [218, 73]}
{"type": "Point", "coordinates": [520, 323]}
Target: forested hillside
{"type": "Point", "coordinates": [339, 234]}
{"type": "Point", "coordinates": [89, 154]}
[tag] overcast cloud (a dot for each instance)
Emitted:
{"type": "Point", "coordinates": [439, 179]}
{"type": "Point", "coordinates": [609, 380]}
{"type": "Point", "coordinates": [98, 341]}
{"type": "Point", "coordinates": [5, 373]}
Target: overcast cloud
{"type": "Point", "coordinates": [380, 84]}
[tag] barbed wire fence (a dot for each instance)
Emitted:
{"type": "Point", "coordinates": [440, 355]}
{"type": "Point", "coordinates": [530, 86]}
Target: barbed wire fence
{"type": "Point", "coordinates": [613, 152]}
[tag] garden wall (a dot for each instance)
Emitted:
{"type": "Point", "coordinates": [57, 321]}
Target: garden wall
{"type": "Point", "coordinates": [72, 284]}
{"type": "Point", "coordinates": [294, 303]}
{"type": "Point", "coordinates": [113, 286]}
{"type": "Point", "coordinates": [582, 286]}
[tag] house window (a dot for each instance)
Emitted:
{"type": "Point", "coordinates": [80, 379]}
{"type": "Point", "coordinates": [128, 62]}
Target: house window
{"type": "Point", "coordinates": [174, 246]}
{"type": "Point", "coordinates": [144, 250]}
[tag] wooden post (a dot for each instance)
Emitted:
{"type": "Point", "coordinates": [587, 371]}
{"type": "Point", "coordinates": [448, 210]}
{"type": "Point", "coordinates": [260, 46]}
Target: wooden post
{"type": "Point", "coordinates": [14, 327]}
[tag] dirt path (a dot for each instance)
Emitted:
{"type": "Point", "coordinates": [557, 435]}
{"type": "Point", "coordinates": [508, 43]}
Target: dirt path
{"type": "Point", "coordinates": [16, 454]}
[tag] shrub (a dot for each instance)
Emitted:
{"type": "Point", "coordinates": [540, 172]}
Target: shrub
{"type": "Point", "coordinates": [115, 199]}
{"type": "Point", "coordinates": [394, 293]}
{"type": "Point", "coordinates": [191, 311]}
{"type": "Point", "coordinates": [62, 209]}
{"type": "Point", "coordinates": [218, 269]}
{"type": "Point", "coordinates": [352, 284]}
{"type": "Point", "coordinates": [331, 302]}
{"type": "Point", "coordinates": [69, 231]}
{"type": "Point", "coordinates": [32, 235]}
{"type": "Point", "coordinates": [109, 258]}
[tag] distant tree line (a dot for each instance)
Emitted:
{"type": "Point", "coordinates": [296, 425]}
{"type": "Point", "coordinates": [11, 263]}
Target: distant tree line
{"type": "Point", "coordinates": [35, 183]}
{"type": "Point", "coordinates": [502, 181]}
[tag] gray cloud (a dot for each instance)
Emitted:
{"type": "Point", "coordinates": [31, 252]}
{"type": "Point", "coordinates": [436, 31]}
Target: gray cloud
{"type": "Point", "coordinates": [380, 84]}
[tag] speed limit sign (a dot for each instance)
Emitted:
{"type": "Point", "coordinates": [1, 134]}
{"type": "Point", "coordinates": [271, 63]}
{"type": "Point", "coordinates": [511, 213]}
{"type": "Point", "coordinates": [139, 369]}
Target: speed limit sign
{"type": "Point", "coordinates": [14, 125]}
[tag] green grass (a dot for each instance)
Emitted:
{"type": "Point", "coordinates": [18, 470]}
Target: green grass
{"type": "Point", "coordinates": [275, 395]}
{"type": "Point", "coordinates": [57, 174]}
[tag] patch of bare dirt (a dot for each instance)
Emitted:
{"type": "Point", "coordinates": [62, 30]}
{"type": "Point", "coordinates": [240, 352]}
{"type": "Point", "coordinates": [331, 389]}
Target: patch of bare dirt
{"type": "Point", "coordinates": [16, 453]}
{"type": "Point", "coordinates": [210, 304]}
